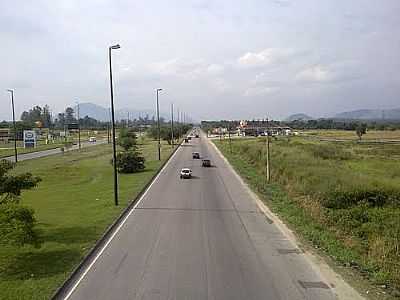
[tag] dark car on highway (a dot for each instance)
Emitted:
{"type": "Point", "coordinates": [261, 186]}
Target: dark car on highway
{"type": "Point", "coordinates": [196, 155]}
{"type": "Point", "coordinates": [206, 163]}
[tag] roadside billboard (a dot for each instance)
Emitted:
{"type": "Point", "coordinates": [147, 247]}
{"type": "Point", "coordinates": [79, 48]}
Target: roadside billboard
{"type": "Point", "coordinates": [29, 139]}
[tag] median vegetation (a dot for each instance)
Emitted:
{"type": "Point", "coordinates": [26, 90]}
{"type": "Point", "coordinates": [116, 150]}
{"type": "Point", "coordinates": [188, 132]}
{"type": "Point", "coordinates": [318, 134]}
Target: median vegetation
{"type": "Point", "coordinates": [73, 205]}
{"type": "Point", "coordinates": [344, 198]}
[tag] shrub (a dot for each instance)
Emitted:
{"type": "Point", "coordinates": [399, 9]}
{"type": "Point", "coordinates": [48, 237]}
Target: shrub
{"type": "Point", "coordinates": [17, 225]}
{"type": "Point", "coordinates": [127, 139]}
{"type": "Point", "coordinates": [329, 151]}
{"type": "Point", "coordinates": [373, 197]}
{"type": "Point", "coordinates": [130, 162]}
{"type": "Point", "coordinates": [16, 222]}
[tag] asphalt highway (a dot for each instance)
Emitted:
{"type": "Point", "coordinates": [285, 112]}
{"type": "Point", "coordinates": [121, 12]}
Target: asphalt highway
{"type": "Point", "coordinates": [199, 238]}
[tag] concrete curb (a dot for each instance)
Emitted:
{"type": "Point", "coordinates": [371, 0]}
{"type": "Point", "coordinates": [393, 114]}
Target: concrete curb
{"type": "Point", "coordinates": [107, 233]}
{"type": "Point", "coordinates": [339, 286]}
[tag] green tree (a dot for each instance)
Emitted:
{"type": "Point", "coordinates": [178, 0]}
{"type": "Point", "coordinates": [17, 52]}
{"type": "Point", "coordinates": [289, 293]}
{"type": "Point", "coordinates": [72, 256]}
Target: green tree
{"type": "Point", "coordinates": [130, 160]}
{"type": "Point", "coordinates": [16, 222]}
{"type": "Point", "coordinates": [69, 115]}
{"type": "Point", "coordinates": [37, 114]}
{"type": "Point", "coordinates": [361, 129]}
{"type": "Point", "coordinates": [127, 139]}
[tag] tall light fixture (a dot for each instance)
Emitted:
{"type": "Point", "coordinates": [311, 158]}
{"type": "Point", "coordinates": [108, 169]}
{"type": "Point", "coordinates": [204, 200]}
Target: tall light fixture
{"type": "Point", "coordinates": [114, 47]}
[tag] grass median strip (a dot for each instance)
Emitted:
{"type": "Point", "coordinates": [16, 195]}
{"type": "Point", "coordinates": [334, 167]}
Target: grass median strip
{"type": "Point", "coordinates": [342, 198]}
{"type": "Point", "coordinates": [73, 205]}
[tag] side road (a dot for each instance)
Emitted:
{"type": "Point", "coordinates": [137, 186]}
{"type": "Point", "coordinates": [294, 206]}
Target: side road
{"type": "Point", "coordinates": [38, 154]}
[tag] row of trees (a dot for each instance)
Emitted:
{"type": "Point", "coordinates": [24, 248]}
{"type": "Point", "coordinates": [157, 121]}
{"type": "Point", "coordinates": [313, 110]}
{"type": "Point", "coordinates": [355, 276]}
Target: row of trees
{"type": "Point", "coordinates": [341, 124]}
{"type": "Point", "coordinates": [312, 124]}
{"type": "Point", "coordinates": [180, 130]}
{"type": "Point", "coordinates": [40, 117]}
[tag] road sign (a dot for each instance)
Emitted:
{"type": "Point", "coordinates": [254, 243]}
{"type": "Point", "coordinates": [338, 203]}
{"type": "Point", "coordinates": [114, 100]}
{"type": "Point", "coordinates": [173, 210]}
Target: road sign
{"type": "Point", "coordinates": [29, 139]}
{"type": "Point", "coordinates": [73, 126]}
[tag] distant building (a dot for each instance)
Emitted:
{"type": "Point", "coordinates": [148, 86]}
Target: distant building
{"type": "Point", "coordinates": [5, 135]}
{"type": "Point", "coordinates": [262, 128]}
{"type": "Point", "coordinates": [219, 130]}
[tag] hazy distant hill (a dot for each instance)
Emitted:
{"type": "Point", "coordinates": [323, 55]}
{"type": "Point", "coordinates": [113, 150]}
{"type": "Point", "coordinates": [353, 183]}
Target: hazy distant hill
{"type": "Point", "coordinates": [302, 117]}
{"type": "Point", "coordinates": [370, 114]}
{"type": "Point", "coordinates": [101, 113]}
{"type": "Point", "coordinates": [93, 110]}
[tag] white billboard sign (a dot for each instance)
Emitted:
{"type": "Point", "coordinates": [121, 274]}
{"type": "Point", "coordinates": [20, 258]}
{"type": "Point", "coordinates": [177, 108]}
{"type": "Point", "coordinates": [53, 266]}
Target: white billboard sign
{"type": "Point", "coordinates": [29, 139]}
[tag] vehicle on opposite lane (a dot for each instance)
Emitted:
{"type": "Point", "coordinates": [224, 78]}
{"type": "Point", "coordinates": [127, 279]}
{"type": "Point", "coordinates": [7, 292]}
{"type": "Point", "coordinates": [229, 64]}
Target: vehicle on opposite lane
{"type": "Point", "coordinates": [196, 155]}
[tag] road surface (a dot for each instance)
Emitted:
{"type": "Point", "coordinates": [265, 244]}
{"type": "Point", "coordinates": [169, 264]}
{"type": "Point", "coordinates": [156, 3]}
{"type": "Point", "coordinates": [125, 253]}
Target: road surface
{"type": "Point", "coordinates": [38, 154]}
{"type": "Point", "coordinates": [199, 238]}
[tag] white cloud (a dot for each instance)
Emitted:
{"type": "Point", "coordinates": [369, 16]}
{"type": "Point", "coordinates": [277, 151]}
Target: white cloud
{"type": "Point", "coordinates": [316, 73]}
{"type": "Point", "coordinates": [215, 69]}
{"type": "Point", "coordinates": [334, 72]}
{"type": "Point", "coordinates": [221, 85]}
{"type": "Point", "coordinates": [265, 57]}
{"type": "Point", "coordinates": [188, 69]}
{"type": "Point", "coordinates": [259, 91]}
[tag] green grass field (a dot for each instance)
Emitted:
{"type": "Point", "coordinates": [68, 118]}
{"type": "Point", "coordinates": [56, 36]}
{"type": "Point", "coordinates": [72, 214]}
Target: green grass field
{"type": "Point", "coordinates": [344, 198]}
{"type": "Point", "coordinates": [351, 135]}
{"type": "Point", "coordinates": [73, 205]}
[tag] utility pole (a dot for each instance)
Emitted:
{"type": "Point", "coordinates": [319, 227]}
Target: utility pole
{"type": "Point", "coordinates": [79, 127]}
{"type": "Point", "coordinates": [127, 125]}
{"type": "Point", "coordinates": [158, 126]}
{"type": "Point", "coordinates": [172, 125]}
{"type": "Point", "coordinates": [14, 125]}
{"type": "Point", "coordinates": [268, 171]}
{"type": "Point", "coordinates": [179, 126]}
{"type": "Point", "coordinates": [229, 135]}
{"type": "Point", "coordinates": [108, 133]}
{"type": "Point", "coordinates": [113, 127]}
{"type": "Point", "coordinates": [140, 133]}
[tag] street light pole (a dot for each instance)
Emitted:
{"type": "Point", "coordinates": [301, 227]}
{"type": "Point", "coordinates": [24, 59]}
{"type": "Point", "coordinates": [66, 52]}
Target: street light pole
{"type": "Point", "coordinates": [229, 135]}
{"type": "Point", "coordinates": [179, 126]}
{"type": "Point", "coordinates": [113, 125]}
{"type": "Point", "coordinates": [158, 125]}
{"type": "Point", "coordinates": [79, 127]}
{"type": "Point", "coordinates": [172, 125]}
{"type": "Point", "coordinates": [14, 125]}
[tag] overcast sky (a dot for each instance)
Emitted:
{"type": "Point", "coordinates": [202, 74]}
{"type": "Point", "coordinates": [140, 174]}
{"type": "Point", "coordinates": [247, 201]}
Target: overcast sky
{"type": "Point", "coordinates": [214, 59]}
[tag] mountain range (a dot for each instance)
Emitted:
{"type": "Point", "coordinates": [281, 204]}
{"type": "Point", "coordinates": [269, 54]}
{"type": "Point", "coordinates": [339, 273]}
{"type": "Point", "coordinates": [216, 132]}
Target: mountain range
{"type": "Point", "coordinates": [101, 113]}
{"type": "Point", "coordinates": [370, 114]}
{"type": "Point", "coordinates": [361, 114]}
{"type": "Point", "coordinates": [299, 117]}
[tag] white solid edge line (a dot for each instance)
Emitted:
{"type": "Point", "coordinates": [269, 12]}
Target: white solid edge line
{"type": "Point", "coordinates": [118, 228]}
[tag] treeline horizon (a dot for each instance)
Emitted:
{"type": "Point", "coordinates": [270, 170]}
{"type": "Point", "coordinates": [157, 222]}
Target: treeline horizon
{"type": "Point", "coordinates": [41, 117]}
{"type": "Point", "coordinates": [330, 123]}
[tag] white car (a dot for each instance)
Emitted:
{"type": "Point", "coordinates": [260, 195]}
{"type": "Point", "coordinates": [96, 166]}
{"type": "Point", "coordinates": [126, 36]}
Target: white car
{"type": "Point", "coordinates": [186, 173]}
{"type": "Point", "coordinates": [92, 139]}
